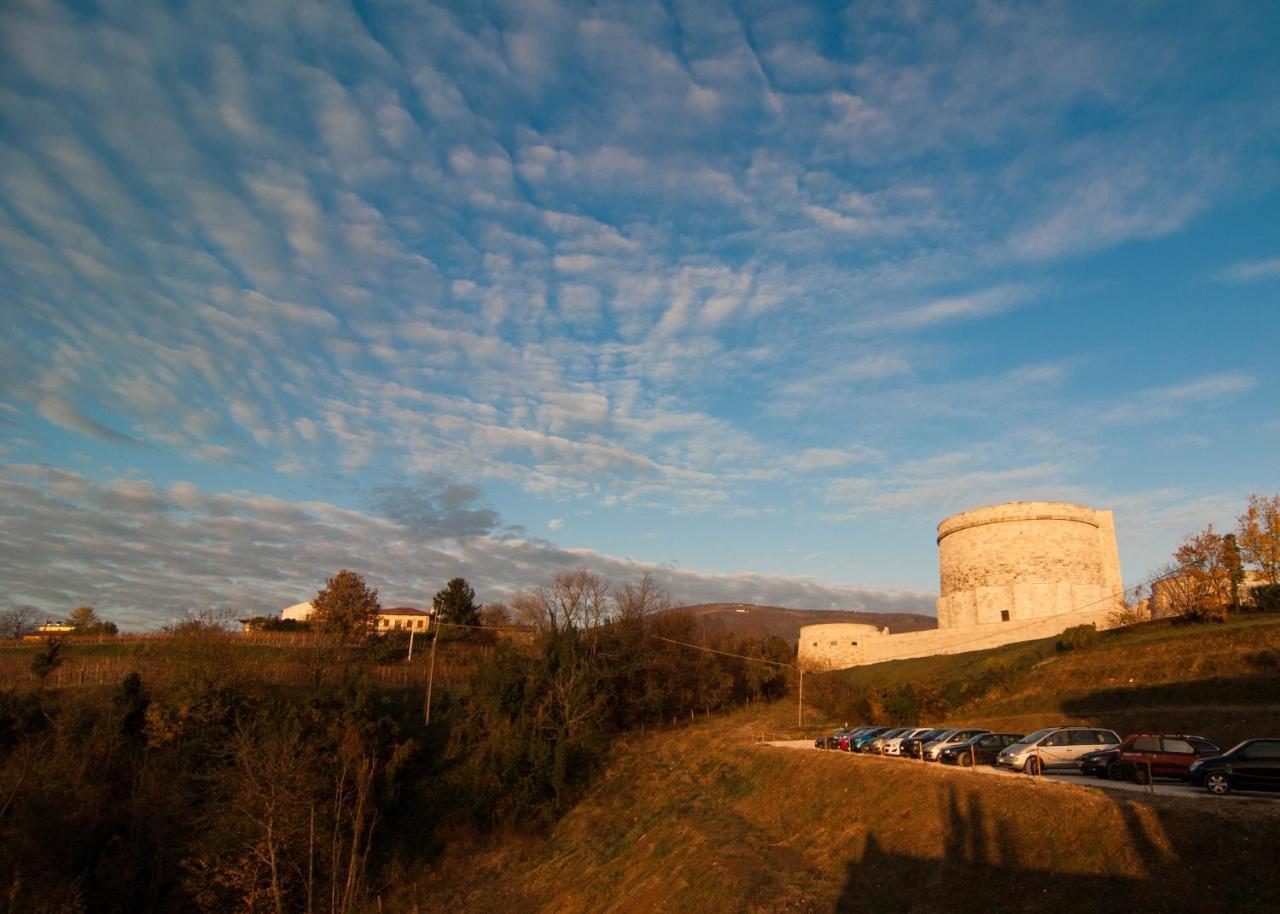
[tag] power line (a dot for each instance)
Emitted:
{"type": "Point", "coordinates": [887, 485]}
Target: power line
{"type": "Point", "coordinates": [670, 640]}
{"type": "Point", "coordinates": [723, 653]}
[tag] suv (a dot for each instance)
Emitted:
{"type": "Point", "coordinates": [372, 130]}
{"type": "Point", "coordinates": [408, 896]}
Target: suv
{"type": "Point", "coordinates": [933, 747]}
{"type": "Point", "coordinates": [1055, 747]}
{"type": "Point", "coordinates": [1147, 755]}
{"type": "Point", "coordinates": [981, 750]}
{"type": "Point", "coordinates": [1252, 765]}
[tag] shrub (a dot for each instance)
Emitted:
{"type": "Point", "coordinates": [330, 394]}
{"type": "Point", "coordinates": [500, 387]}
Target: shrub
{"type": "Point", "coordinates": [1266, 598]}
{"type": "Point", "coordinates": [1077, 636]}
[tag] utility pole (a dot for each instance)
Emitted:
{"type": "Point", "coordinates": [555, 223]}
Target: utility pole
{"type": "Point", "coordinates": [800, 710]}
{"type": "Point", "coordinates": [411, 634]}
{"type": "Point", "coordinates": [431, 675]}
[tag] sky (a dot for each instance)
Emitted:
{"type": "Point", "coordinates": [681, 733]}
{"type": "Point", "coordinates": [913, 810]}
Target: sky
{"type": "Point", "coordinates": [749, 296]}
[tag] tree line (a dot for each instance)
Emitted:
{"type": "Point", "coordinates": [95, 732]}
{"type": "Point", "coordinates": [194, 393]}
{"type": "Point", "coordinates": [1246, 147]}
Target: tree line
{"type": "Point", "coordinates": [20, 621]}
{"type": "Point", "coordinates": [212, 790]}
{"type": "Point", "coordinates": [1214, 573]}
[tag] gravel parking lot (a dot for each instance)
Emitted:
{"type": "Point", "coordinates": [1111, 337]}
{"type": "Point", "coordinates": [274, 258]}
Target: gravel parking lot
{"type": "Point", "coordinates": [1159, 789]}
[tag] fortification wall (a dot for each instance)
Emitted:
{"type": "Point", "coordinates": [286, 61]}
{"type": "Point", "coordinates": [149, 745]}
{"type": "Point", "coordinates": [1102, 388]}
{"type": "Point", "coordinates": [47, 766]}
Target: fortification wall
{"type": "Point", "coordinates": [816, 654]}
{"type": "Point", "coordinates": [1012, 572]}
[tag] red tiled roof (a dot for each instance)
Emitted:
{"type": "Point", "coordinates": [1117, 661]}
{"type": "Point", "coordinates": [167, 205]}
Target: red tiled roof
{"type": "Point", "coordinates": [404, 611]}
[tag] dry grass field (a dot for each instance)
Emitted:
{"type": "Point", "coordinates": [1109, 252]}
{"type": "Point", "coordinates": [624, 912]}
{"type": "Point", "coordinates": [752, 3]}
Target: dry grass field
{"type": "Point", "coordinates": [705, 819]}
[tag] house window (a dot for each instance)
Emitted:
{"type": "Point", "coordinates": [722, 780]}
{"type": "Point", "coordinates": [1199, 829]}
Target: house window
{"type": "Point", "coordinates": [1004, 615]}
{"type": "Point", "coordinates": [853, 643]}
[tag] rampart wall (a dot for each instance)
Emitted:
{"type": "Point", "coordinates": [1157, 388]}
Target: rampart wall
{"type": "Point", "coordinates": [1011, 572]}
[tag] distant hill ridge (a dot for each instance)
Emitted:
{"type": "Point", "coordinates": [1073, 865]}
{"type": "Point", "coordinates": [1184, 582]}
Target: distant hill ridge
{"type": "Point", "coordinates": [756, 621]}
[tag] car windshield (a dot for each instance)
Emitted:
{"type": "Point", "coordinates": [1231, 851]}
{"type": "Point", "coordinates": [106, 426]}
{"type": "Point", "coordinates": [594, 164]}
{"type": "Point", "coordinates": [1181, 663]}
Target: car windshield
{"type": "Point", "coordinates": [1037, 736]}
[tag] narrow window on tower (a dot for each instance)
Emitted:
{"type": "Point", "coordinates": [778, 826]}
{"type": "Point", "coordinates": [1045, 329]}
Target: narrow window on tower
{"type": "Point", "coordinates": [1004, 615]}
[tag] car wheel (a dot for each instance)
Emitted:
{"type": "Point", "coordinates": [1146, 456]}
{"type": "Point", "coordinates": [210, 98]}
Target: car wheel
{"type": "Point", "coordinates": [1218, 783]}
{"type": "Point", "coordinates": [1141, 775]}
{"type": "Point", "coordinates": [1034, 768]}
{"type": "Point", "coordinates": [1115, 771]}
{"type": "Point", "coordinates": [965, 760]}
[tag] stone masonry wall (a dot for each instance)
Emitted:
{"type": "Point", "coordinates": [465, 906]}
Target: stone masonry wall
{"type": "Point", "coordinates": [1011, 572]}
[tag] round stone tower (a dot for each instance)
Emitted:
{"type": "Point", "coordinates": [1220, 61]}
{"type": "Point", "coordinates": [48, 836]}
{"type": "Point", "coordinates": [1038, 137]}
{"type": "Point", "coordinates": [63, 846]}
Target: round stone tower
{"type": "Point", "coordinates": [1026, 560]}
{"type": "Point", "coordinates": [837, 645]}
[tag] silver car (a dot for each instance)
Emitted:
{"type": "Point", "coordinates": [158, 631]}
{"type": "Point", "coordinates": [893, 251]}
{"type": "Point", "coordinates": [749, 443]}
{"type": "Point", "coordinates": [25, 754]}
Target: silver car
{"type": "Point", "coordinates": [894, 746]}
{"type": "Point", "coordinates": [1056, 748]}
{"type": "Point", "coordinates": [876, 746]}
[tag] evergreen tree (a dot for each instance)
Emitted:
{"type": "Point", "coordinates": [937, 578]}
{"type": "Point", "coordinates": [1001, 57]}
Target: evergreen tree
{"type": "Point", "coordinates": [456, 603]}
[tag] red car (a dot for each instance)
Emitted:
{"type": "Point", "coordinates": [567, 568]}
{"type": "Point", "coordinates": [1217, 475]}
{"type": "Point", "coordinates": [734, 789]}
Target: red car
{"type": "Point", "coordinates": [1162, 755]}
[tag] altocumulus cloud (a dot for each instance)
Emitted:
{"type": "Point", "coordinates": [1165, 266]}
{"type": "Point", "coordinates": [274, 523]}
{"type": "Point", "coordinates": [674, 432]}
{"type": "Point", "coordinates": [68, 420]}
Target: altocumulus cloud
{"type": "Point", "coordinates": [141, 553]}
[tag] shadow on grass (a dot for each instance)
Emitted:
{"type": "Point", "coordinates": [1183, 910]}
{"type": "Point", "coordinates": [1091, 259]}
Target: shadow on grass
{"type": "Point", "coordinates": [1259, 688]}
{"type": "Point", "coordinates": [982, 866]}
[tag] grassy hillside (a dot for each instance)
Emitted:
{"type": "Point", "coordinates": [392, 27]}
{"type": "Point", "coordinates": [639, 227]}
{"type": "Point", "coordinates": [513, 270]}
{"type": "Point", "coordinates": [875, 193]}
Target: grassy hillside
{"type": "Point", "coordinates": [704, 820]}
{"type": "Point", "coordinates": [1222, 680]}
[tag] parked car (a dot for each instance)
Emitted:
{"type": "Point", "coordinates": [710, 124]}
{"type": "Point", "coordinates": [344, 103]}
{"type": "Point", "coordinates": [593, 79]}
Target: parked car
{"type": "Point", "coordinates": [1252, 765]}
{"type": "Point", "coordinates": [1147, 755]}
{"type": "Point", "coordinates": [1055, 748]}
{"type": "Point", "coordinates": [932, 748]}
{"type": "Point", "coordinates": [912, 745]}
{"type": "Point", "coordinates": [1098, 764]}
{"type": "Point", "coordinates": [846, 741]}
{"type": "Point", "coordinates": [894, 746]}
{"type": "Point", "coordinates": [832, 740]}
{"type": "Point", "coordinates": [980, 750]}
{"type": "Point", "coordinates": [876, 746]}
{"type": "Point", "coordinates": [859, 742]}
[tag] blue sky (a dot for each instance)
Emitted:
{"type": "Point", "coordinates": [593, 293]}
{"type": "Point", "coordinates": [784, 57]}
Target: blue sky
{"type": "Point", "coordinates": [751, 295]}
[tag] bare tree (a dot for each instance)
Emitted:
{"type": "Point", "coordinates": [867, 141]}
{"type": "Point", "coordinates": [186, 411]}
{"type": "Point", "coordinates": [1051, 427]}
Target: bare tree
{"type": "Point", "coordinates": [641, 597]}
{"type": "Point", "coordinates": [574, 600]}
{"type": "Point", "coordinates": [495, 615]}
{"type": "Point", "coordinates": [18, 621]}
